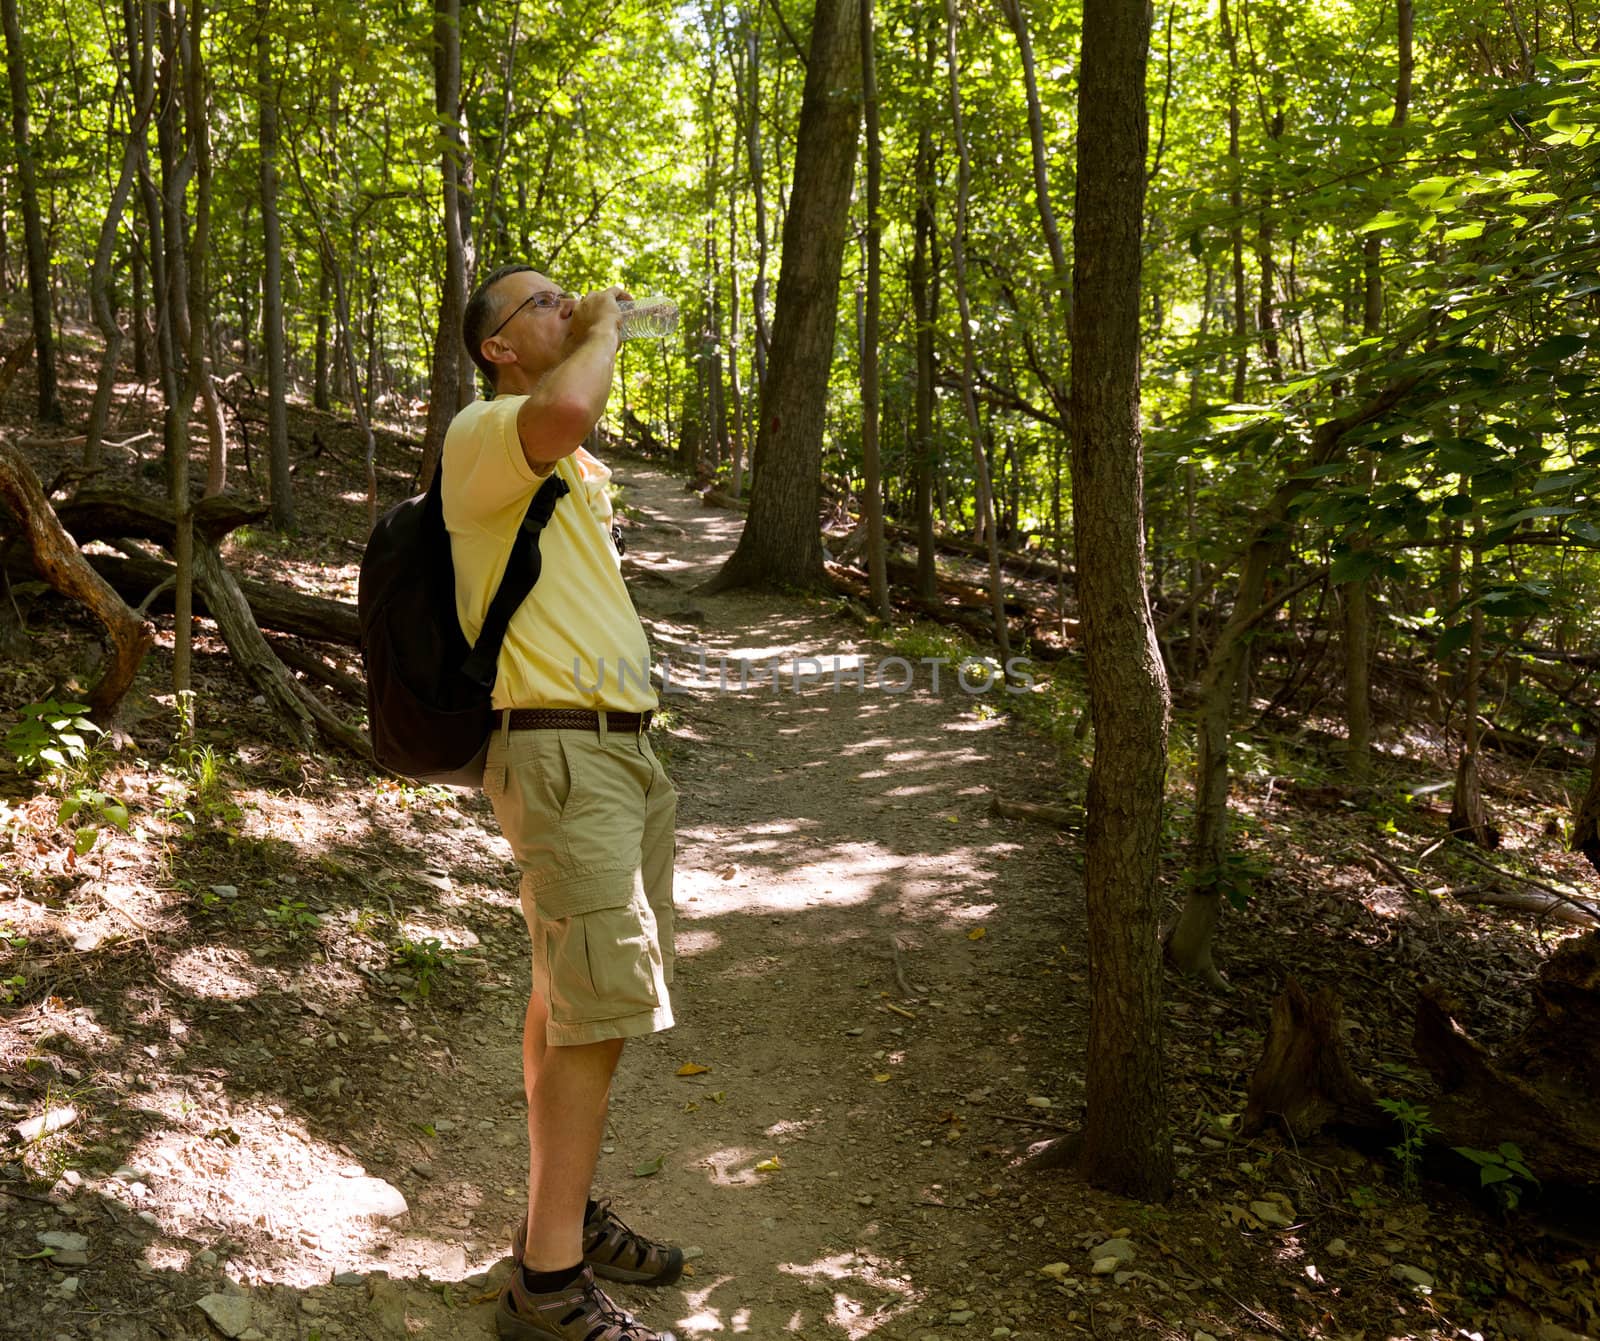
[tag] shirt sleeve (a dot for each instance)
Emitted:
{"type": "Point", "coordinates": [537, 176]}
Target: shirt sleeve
{"type": "Point", "coordinates": [492, 476]}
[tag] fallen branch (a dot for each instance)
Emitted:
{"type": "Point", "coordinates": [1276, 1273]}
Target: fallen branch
{"type": "Point", "coordinates": [61, 563]}
{"type": "Point", "coordinates": [1060, 816]}
{"type": "Point", "coordinates": [1587, 909]}
{"type": "Point", "coordinates": [1569, 912]}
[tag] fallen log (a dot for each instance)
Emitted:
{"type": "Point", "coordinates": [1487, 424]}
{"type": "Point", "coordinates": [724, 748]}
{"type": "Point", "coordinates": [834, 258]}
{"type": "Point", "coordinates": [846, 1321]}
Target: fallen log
{"type": "Point", "coordinates": [1061, 816]}
{"type": "Point", "coordinates": [315, 618]}
{"type": "Point", "coordinates": [61, 563]}
{"type": "Point", "coordinates": [1547, 907]}
{"type": "Point", "coordinates": [309, 663]}
{"type": "Point", "coordinates": [978, 623]}
{"type": "Point", "coordinates": [1484, 1103]}
{"type": "Point", "coordinates": [1026, 565]}
{"type": "Point", "coordinates": [101, 514]}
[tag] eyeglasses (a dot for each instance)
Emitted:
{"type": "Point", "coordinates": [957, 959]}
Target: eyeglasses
{"type": "Point", "coordinates": [543, 300]}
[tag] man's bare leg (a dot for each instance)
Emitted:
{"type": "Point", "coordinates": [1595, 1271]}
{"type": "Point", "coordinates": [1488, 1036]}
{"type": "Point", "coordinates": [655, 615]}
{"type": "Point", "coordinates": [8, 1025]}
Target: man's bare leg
{"type": "Point", "coordinates": [568, 1089]}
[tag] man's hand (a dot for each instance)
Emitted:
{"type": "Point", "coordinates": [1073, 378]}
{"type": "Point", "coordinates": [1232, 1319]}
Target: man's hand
{"type": "Point", "coordinates": [571, 397]}
{"type": "Point", "coordinates": [595, 313]}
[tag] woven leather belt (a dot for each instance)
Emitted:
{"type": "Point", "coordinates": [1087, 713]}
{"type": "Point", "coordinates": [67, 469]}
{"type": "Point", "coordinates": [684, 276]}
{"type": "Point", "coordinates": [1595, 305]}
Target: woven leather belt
{"type": "Point", "coordinates": [576, 719]}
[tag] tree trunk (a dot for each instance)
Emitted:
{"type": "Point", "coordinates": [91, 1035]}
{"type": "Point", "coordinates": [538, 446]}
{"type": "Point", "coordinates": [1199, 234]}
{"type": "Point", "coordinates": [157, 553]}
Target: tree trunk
{"type": "Point", "coordinates": [59, 560]}
{"type": "Point", "coordinates": [1357, 607]}
{"type": "Point", "coordinates": [1469, 817]}
{"type": "Point", "coordinates": [32, 226]}
{"type": "Point", "coordinates": [281, 486]}
{"type": "Point", "coordinates": [924, 307]}
{"type": "Point", "coordinates": [1235, 207]}
{"type": "Point", "coordinates": [985, 502]}
{"type": "Point", "coordinates": [735, 390]}
{"type": "Point", "coordinates": [1189, 940]}
{"type": "Point", "coordinates": [873, 490]}
{"type": "Point", "coordinates": [141, 338]}
{"type": "Point", "coordinates": [172, 327]}
{"type": "Point", "coordinates": [1586, 818]}
{"type": "Point", "coordinates": [100, 298]}
{"type": "Point", "coordinates": [1126, 1142]}
{"type": "Point", "coordinates": [782, 542]}
{"type": "Point", "coordinates": [751, 24]}
{"type": "Point", "coordinates": [444, 381]}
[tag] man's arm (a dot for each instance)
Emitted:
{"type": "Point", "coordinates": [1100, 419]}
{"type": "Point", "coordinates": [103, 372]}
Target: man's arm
{"type": "Point", "coordinates": [569, 400]}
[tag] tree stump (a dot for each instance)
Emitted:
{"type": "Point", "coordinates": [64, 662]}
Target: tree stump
{"type": "Point", "coordinates": [1304, 1081]}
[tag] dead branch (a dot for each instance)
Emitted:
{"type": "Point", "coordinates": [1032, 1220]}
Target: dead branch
{"type": "Point", "coordinates": [61, 563]}
{"type": "Point", "coordinates": [1060, 816]}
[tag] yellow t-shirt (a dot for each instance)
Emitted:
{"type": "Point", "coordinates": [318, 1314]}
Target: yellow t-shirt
{"type": "Point", "coordinates": [576, 641]}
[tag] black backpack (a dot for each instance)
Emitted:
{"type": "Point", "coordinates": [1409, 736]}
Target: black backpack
{"type": "Point", "coordinates": [428, 692]}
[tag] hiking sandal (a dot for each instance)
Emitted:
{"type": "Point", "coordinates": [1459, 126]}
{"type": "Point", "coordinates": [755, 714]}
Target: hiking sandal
{"type": "Point", "coordinates": [581, 1312]}
{"type": "Point", "coordinates": [617, 1252]}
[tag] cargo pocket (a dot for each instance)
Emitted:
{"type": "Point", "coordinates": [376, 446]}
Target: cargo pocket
{"type": "Point", "coordinates": [596, 955]}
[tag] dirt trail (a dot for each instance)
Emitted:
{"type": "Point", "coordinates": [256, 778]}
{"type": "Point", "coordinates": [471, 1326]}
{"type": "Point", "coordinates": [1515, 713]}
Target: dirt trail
{"type": "Point", "coordinates": [877, 978]}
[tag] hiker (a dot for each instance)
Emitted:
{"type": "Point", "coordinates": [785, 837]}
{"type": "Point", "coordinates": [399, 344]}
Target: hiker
{"type": "Point", "coordinates": [577, 790]}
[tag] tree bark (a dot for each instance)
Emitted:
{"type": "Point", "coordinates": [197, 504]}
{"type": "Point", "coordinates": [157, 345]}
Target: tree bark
{"type": "Point", "coordinates": [1469, 817]}
{"type": "Point", "coordinates": [925, 310]}
{"type": "Point", "coordinates": [100, 299]}
{"type": "Point", "coordinates": [1126, 1141]}
{"type": "Point", "coordinates": [1235, 207]}
{"type": "Point", "coordinates": [873, 489]}
{"type": "Point", "coordinates": [444, 381]}
{"type": "Point", "coordinates": [280, 483]}
{"type": "Point", "coordinates": [1357, 607]}
{"type": "Point", "coordinates": [1304, 1081]}
{"type": "Point", "coordinates": [985, 501]}
{"type": "Point", "coordinates": [59, 560]}
{"type": "Point", "coordinates": [1586, 818]}
{"type": "Point", "coordinates": [782, 542]}
{"type": "Point", "coordinates": [32, 225]}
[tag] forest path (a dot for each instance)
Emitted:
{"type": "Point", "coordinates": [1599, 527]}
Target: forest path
{"type": "Point", "coordinates": [290, 1021]}
{"type": "Point", "coordinates": [823, 836]}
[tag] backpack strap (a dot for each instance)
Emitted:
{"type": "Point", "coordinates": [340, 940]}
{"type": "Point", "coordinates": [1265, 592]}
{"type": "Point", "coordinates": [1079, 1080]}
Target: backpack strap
{"type": "Point", "coordinates": [522, 572]}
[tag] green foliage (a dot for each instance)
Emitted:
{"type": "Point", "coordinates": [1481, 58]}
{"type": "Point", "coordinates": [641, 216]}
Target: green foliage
{"type": "Point", "coordinates": [90, 810]}
{"type": "Point", "coordinates": [420, 960]}
{"type": "Point", "coordinates": [293, 917]}
{"type": "Point", "coordinates": [1503, 1169]}
{"type": "Point", "coordinates": [1234, 878]}
{"type": "Point", "coordinates": [1416, 1125]}
{"type": "Point", "coordinates": [52, 737]}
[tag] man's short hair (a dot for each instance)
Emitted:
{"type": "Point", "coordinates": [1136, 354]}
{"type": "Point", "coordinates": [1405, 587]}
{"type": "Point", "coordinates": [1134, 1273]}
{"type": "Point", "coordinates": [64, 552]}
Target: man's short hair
{"type": "Point", "coordinates": [479, 318]}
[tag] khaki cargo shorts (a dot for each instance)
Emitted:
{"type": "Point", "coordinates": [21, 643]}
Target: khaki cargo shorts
{"type": "Point", "coordinates": [590, 818]}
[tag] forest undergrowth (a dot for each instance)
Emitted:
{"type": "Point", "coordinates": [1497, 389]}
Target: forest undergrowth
{"type": "Point", "coordinates": [248, 991]}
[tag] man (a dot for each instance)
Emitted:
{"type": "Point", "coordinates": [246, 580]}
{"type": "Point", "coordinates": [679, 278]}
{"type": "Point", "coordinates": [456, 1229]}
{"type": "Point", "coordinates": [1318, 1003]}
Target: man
{"type": "Point", "coordinates": [578, 792]}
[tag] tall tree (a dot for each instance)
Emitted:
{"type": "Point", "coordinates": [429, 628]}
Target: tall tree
{"type": "Point", "coordinates": [281, 485]}
{"type": "Point", "coordinates": [32, 225]}
{"type": "Point", "coordinates": [1126, 1145]}
{"type": "Point", "coordinates": [872, 506]}
{"type": "Point", "coordinates": [985, 499]}
{"type": "Point", "coordinates": [1357, 603]}
{"type": "Point", "coordinates": [782, 542]}
{"type": "Point", "coordinates": [444, 385]}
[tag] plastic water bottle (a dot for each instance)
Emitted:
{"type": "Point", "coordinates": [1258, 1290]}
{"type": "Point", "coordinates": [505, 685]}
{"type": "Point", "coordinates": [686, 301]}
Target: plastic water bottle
{"type": "Point", "coordinates": [647, 318]}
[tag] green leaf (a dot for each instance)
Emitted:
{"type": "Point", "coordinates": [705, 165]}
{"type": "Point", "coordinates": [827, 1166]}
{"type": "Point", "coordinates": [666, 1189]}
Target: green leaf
{"type": "Point", "coordinates": [650, 1167]}
{"type": "Point", "coordinates": [84, 843]}
{"type": "Point", "coordinates": [1430, 189]}
{"type": "Point", "coordinates": [1464, 232]}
